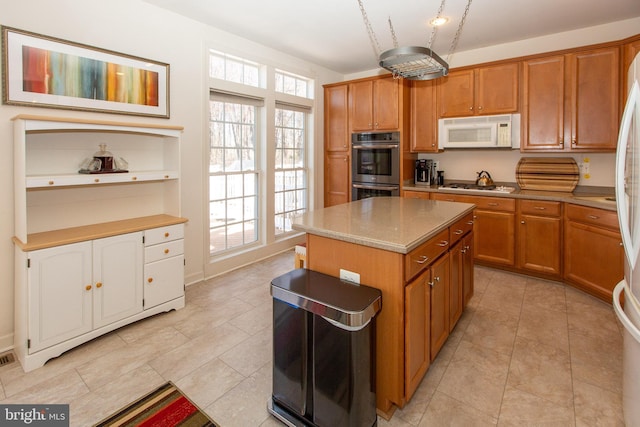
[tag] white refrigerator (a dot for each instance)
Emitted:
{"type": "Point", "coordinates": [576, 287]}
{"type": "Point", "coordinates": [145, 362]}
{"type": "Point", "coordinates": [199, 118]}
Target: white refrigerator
{"type": "Point", "coordinates": [628, 204]}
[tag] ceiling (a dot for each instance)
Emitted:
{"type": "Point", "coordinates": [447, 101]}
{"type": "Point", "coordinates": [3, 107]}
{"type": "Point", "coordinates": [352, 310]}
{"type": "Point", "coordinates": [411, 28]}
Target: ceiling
{"type": "Point", "coordinates": [331, 33]}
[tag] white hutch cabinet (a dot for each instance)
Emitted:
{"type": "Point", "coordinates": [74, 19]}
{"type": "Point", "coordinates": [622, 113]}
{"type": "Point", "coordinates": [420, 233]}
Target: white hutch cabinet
{"type": "Point", "coordinates": [94, 252]}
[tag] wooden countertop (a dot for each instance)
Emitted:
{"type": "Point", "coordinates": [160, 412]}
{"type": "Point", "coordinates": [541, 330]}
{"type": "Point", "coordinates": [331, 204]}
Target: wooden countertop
{"type": "Point", "coordinates": [67, 236]}
{"type": "Point", "coordinates": [394, 224]}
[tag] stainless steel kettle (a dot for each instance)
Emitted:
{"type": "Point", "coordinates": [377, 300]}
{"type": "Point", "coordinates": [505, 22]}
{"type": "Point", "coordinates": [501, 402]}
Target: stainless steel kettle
{"type": "Point", "coordinates": [484, 179]}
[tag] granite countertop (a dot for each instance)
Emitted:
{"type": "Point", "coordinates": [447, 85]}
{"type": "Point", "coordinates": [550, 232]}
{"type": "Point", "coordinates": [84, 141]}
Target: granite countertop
{"type": "Point", "coordinates": [395, 224]}
{"type": "Point", "coordinates": [595, 197]}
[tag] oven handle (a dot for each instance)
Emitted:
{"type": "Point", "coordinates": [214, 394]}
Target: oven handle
{"type": "Point", "coordinates": [377, 146]}
{"type": "Point", "coordinates": [376, 187]}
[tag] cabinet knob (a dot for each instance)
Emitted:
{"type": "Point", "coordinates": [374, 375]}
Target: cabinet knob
{"type": "Point", "coordinates": [480, 108]}
{"type": "Point", "coordinates": [88, 287]}
{"type": "Point", "coordinates": [521, 222]}
{"type": "Point", "coordinates": [166, 251]}
{"type": "Point", "coordinates": [464, 250]}
{"type": "Point", "coordinates": [458, 232]}
{"type": "Point", "coordinates": [51, 182]}
{"type": "Point", "coordinates": [346, 159]}
{"type": "Point", "coordinates": [134, 178]}
{"type": "Point", "coordinates": [166, 177]}
{"type": "Point", "coordinates": [431, 284]}
{"type": "Point", "coordinates": [96, 180]}
{"type": "Point", "coordinates": [470, 222]}
{"type": "Point", "coordinates": [540, 208]}
{"type": "Point", "coordinates": [436, 279]}
{"type": "Point", "coordinates": [443, 243]}
{"type": "Point", "coordinates": [423, 259]}
{"type": "Point", "coordinates": [166, 234]}
{"type": "Point", "coordinates": [99, 285]}
{"type": "Point", "coordinates": [594, 217]}
{"type": "Point", "coordinates": [470, 108]}
{"type": "Point", "coordinates": [573, 142]}
{"type": "Point", "coordinates": [150, 279]}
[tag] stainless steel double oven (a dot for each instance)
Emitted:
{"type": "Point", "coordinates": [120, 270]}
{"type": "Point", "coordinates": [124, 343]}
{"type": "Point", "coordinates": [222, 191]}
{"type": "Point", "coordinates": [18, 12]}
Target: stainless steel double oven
{"type": "Point", "coordinates": [375, 164]}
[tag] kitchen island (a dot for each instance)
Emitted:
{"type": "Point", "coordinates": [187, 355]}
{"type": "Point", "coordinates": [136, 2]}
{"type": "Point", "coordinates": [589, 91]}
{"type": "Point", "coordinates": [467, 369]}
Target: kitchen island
{"type": "Point", "coordinates": [417, 253]}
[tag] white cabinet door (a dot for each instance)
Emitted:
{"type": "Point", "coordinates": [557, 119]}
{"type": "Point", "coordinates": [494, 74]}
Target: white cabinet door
{"type": "Point", "coordinates": [163, 281]}
{"type": "Point", "coordinates": [59, 294]}
{"type": "Point", "coordinates": [117, 278]}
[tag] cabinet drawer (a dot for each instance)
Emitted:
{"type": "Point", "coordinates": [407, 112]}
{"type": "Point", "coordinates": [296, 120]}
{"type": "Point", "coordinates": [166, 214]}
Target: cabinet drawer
{"type": "Point", "coordinates": [163, 234]}
{"type": "Point", "coordinates": [593, 216]}
{"type": "Point", "coordinates": [481, 202]}
{"type": "Point", "coordinates": [460, 228]}
{"type": "Point", "coordinates": [163, 250]}
{"type": "Point", "coordinates": [450, 197]}
{"type": "Point", "coordinates": [422, 256]}
{"type": "Point", "coordinates": [539, 207]}
{"type": "Point", "coordinates": [494, 203]}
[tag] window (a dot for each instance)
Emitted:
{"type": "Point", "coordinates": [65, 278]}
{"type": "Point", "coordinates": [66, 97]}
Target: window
{"type": "Point", "coordinates": [292, 85]}
{"type": "Point", "coordinates": [233, 69]}
{"type": "Point", "coordinates": [290, 166]}
{"type": "Point", "coordinates": [233, 178]}
{"type": "Point", "coordinates": [260, 145]}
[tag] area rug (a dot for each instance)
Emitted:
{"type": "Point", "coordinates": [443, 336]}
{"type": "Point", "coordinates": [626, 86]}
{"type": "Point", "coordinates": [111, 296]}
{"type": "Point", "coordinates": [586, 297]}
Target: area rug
{"type": "Point", "coordinates": [166, 406]}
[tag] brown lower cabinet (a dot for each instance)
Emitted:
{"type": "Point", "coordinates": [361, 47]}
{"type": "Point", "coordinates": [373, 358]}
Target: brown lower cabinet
{"type": "Point", "coordinates": [440, 284]}
{"type": "Point", "coordinates": [579, 245]}
{"type": "Point", "coordinates": [493, 227]}
{"type": "Point", "coordinates": [540, 237]}
{"type": "Point", "coordinates": [593, 252]}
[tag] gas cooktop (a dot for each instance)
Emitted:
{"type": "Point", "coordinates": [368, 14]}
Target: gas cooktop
{"type": "Point", "coordinates": [472, 188]}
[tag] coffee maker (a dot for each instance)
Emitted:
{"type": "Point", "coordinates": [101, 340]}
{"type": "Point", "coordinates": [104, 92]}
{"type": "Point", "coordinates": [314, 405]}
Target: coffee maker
{"type": "Point", "coordinates": [425, 173]}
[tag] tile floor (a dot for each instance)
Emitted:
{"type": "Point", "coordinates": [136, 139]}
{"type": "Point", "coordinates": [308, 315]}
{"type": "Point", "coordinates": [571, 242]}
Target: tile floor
{"type": "Point", "coordinates": [525, 352]}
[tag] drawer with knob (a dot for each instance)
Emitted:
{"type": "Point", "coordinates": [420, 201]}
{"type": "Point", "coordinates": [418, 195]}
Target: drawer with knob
{"type": "Point", "coordinates": [163, 234]}
{"type": "Point", "coordinates": [163, 250]}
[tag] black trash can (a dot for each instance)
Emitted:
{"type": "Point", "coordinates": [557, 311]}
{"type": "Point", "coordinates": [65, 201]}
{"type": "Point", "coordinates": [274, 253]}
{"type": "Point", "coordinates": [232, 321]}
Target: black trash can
{"type": "Point", "coordinates": [323, 350]}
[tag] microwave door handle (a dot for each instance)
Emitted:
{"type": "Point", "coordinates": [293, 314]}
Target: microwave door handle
{"type": "Point", "coordinates": [376, 187]}
{"type": "Point", "coordinates": [368, 147]}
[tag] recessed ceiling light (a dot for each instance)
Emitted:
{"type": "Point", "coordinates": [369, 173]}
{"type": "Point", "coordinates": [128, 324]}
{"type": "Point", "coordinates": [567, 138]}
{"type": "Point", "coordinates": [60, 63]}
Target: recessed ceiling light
{"type": "Point", "coordinates": [440, 20]}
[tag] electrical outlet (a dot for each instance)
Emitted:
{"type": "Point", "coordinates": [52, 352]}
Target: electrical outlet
{"type": "Point", "coordinates": [585, 171]}
{"type": "Point", "coordinates": [349, 276]}
{"type": "Point", "coordinates": [436, 165]}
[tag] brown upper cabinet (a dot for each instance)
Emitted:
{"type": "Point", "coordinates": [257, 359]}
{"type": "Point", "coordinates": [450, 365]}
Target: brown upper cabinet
{"type": "Point", "coordinates": [374, 104]}
{"type": "Point", "coordinates": [490, 89]}
{"type": "Point", "coordinates": [336, 145]}
{"type": "Point", "coordinates": [423, 119]}
{"type": "Point", "coordinates": [630, 50]}
{"type": "Point", "coordinates": [542, 118]}
{"type": "Point", "coordinates": [571, 102]}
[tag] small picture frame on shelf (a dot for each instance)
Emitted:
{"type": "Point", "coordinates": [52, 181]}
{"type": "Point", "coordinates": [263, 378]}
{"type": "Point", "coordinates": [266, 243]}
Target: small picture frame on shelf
{"type": "Point", "coordinates": [42, 71]}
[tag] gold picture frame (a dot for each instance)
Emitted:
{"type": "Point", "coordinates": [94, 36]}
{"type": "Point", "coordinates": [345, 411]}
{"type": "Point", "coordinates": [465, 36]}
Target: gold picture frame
{"type": "Point", "coordinates": [42, 71]}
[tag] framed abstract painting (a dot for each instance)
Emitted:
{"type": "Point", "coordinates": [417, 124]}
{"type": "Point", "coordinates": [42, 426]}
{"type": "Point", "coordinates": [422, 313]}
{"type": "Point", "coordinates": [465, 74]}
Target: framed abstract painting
{"type": "Point", "coordinates": [41, 71]}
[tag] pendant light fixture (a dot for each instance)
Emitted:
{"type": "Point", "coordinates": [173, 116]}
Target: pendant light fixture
{"type": "Point", "coordinates": [414, 62]}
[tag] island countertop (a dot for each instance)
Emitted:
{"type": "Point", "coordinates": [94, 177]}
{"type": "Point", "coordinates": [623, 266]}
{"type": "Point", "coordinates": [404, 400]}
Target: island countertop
{"type": "Point", "coordinates": [394, 224]}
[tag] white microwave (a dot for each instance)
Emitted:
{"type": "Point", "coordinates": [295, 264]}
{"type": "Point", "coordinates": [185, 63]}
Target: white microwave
{"type": "Point", "coordinates": [501, 131]}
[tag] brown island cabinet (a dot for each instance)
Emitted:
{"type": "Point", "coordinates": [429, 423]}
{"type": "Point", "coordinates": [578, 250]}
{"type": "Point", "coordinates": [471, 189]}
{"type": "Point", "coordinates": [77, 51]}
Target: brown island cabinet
{"type": "Point", "coordinates": [419, 254]}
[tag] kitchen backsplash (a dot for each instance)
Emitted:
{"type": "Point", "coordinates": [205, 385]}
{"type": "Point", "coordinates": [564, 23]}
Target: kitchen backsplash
{"type": "Point", "coordinates": [501, 164]}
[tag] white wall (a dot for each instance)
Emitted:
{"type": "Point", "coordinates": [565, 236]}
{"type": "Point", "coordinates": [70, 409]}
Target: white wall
{"type": "Point", "coordinates": [463, 165]}
{"type": "Point", "coordinates": [137, 28]}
